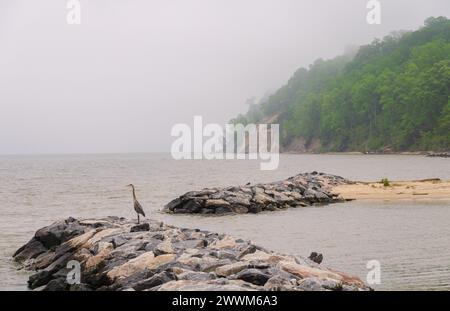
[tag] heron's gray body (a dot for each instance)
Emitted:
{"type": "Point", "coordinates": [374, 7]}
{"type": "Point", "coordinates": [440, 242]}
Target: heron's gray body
{"type": "Point", "coordinates": [137, 206]}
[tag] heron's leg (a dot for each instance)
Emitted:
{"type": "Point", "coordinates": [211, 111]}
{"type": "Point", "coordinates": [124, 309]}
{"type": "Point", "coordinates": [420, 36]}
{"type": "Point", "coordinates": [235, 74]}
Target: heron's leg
{"type": "Point", "coordinates": [138, 218]}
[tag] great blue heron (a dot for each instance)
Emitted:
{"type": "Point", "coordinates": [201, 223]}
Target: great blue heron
{"type": "Point", "coordinates": [137, 205]}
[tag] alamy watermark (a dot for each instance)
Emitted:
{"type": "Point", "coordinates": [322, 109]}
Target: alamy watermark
{"type": "Point", "coordinates": [73, 16]}
{"type": "Point", "coordinates": [374, 15]}
{"type": "Point", "coordinates": [374, 275]}
{"type": "Point", "coordinates": [234, 141]}
{"type": "Point", "coordinates": [74, 274]}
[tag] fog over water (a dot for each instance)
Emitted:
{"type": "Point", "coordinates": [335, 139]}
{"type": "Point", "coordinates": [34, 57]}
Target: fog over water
{"type": "Point", "coordinates": [122, 78]}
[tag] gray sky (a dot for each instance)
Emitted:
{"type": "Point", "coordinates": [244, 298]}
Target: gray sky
{"type": "Point", "coordinates": [119, 81]}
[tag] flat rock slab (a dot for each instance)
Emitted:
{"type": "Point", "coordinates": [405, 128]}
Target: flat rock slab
{"type": "Point", "coordinates": [112, 255]}
{"type": "Point", "coordinates": [297, 191]}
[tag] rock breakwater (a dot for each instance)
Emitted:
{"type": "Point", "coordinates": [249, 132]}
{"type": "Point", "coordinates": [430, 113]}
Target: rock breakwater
{"type": "Point", "coordinates": [116, 254]}
{"type": "Point", "coordinates": [300, 190]}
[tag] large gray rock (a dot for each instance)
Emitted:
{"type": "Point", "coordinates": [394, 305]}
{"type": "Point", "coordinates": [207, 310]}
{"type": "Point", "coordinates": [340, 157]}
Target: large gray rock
{"type": "Point", "coordinates": [140, 227]}
{"type": "Point", "coordinates": [253, 276]}
{"type": "Point", "coordinates": [30, 250]}
{"type": "Point", "coordinates": [155, 280]}
{"type": "Point", "coordinates": [58, 233]}
{"type": "Point", "coordinates": [59, 284]}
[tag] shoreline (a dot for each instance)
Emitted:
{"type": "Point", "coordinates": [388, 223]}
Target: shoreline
{"type": "Point", "coordinates": [429, 154]}
{"type": "Point", "coordinates": [415, 190]}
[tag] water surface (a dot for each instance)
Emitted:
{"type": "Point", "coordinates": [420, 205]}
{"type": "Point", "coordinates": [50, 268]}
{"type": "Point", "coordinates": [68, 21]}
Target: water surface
{"type": "Point", "coordinates": [410, 239]}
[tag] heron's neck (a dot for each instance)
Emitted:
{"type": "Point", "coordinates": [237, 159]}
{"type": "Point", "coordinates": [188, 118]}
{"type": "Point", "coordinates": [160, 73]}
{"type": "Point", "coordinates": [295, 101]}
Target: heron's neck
{"type": "Point", "coordinates": [134, 194]}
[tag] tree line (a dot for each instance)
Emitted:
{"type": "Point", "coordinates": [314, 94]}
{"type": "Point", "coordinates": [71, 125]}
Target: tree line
{"type": "Point", "coordinates": [392, 94]}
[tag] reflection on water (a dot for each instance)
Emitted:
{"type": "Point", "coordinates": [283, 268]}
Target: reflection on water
{"type": "Point", "coordinates": [410, 239]}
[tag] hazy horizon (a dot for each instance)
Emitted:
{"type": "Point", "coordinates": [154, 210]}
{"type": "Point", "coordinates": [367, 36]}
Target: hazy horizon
{"type": "Point", "coordinates": [121, 79]}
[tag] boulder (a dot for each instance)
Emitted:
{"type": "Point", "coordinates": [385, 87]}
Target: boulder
{"type": "Point", "coordinates": [215, 203]}
{"type": "Point", "coordinates": [225, 242]}
{"type": "Point", "coordinates": [316, 257]}
{"type": "Point", "coordinates": [59, 232]}
{"type": "Point", "coordinates": [213, 285]}
{"type": "Point", "coordinates": [195, 276]}
{"type": "Point", "coordinates": [307, 272]}
{"type": "Point", "coordinates": [238, 209]}
{"type": "Point", "coordinates": [192, 206]}
{"type": "Point", "coordinates": [223, 210]}
{"type": "Point", "coordinates": [310, 284]}
{"type": "Point", "coordinates": [212, 264]}
{"type": "Point", "coordinates": [155, 280]}
{"type": "Point", "coordinates": [227, 270]}
{"type": "Point", "coordinates": [43, 260]}
{"type": "Point", "coordinates": [253, 276]}
{"type": "Point", "coordinates": [145, 261]}
{"type": "Point", "coordinates": [59, 284]}
{"type": "Point", "coordinates": [95, 262]}
{"type": "Point", "coordinates": [163, 248]}
{"type": "Point", "coordinates": [30, 250]}
{"type": "Point", "coordinates": [260, 256]}
{"type": "Point", "coordinates": [172, 204]}
{"type": "Point", "coordinates": [74, 243]}
{"type": "Point", "coordinates": [141, 227]}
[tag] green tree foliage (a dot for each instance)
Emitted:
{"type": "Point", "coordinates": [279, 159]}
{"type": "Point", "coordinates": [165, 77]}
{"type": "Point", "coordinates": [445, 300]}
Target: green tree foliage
{"type": "Point", "coordinates": [394, 93]}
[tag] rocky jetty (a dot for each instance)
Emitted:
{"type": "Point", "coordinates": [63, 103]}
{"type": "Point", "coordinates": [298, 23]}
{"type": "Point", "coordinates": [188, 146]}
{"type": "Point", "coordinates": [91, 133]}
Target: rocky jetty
{"type": "Point", "coordinates": [438, 154]}
{"type": "Point", "coordinates": [300, 190]}
{"type": "Point", "coordinates": [116, 254]}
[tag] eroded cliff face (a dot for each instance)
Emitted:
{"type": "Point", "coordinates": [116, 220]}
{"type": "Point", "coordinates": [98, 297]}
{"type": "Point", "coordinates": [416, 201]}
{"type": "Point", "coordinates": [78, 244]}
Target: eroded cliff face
{"type": "Point", "coordinates": [117, 254]}
{"type": "Point", "coordinates": [301, 145]}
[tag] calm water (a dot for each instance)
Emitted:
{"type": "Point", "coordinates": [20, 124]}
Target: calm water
{"type": "Point", "coordinates": [410, 239]}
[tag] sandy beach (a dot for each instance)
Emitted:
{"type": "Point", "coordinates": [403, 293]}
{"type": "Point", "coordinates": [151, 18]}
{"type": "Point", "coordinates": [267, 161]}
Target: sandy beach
{"type": "Point", "coordinates": [428, 189]}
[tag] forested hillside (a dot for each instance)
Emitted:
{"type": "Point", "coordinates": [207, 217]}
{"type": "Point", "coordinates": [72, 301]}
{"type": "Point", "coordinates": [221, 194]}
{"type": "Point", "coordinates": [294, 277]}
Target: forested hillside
{"type": "Point", "coordinates": [393, 94]}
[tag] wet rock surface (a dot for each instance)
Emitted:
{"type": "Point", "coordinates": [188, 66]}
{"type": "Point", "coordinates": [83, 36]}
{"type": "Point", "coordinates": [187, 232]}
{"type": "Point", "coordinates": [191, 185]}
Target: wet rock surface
{"type": "Point", "coordinates": [297, 191]}
{"type": "Point", "coordinates": [114, 254]}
